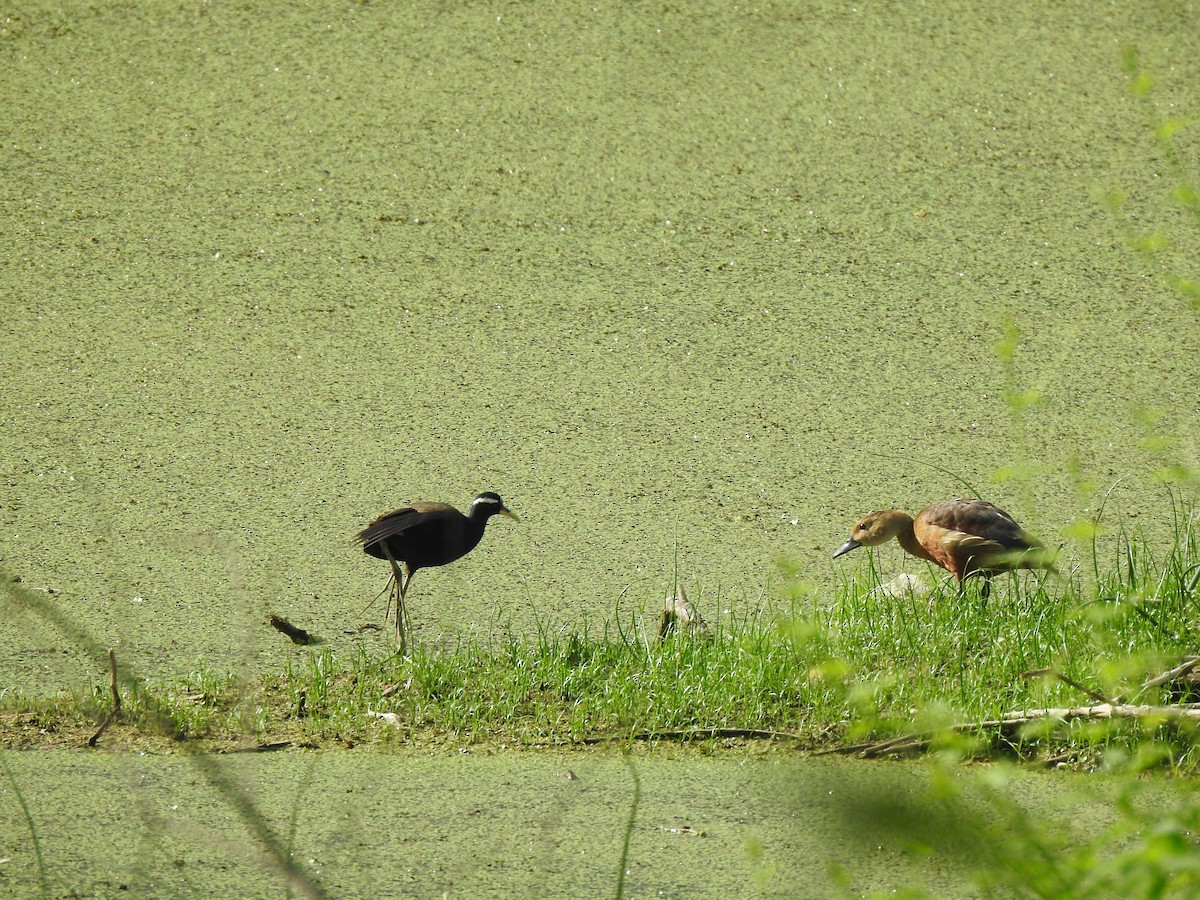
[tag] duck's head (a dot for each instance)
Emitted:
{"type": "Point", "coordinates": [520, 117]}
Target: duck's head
{"type": "Point", "coordinates": [874, 528]}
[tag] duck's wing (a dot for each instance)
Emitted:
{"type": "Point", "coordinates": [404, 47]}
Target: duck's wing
{"type": "Point", "coordinates": [976, 523]}
{"type": "Point", "coordinates": [967, 536]}
{"type": "Point", "coordinates": [958, 552]}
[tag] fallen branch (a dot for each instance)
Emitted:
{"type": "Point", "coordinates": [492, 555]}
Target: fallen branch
{"type": "Point", "coordinates": [112, 713]}
{"type": "Point", "coordinates": [1184, 668]}
{"type": "Point", "coordinates": [1102, 711]}
{"type": "Point", "coordinates": [687, 734]}
{"type": "Point", "coordinates": [1179, 671]}
{"type": "Point", "coordinates": [920, 740]}
{"type": "Point", "coordinates": [264, 748]}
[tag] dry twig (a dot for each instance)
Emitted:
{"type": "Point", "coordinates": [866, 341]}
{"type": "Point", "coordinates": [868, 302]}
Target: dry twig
{"type": "Point", "coordinates": [1034, 673]}
{"type": "Point", "coordinates": [1179, 671]}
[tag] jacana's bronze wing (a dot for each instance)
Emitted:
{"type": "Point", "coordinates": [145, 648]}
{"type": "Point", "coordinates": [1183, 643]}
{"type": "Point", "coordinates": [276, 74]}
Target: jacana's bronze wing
{"type": "Point", "coordinates": [400, 520]}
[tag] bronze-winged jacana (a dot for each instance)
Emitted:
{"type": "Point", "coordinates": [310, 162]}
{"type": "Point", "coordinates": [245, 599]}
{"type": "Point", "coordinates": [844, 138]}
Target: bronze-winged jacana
{"type": "Point", "coordinates": [967, 538]}
{"type": "Point", "coordinates": [426, 534]}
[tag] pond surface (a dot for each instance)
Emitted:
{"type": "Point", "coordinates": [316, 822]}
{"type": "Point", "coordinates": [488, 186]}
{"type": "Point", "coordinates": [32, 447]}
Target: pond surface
{"type": "Point", "coordinates": [691, 288]}
{"type": "Point", "coordinates": [510, 825]}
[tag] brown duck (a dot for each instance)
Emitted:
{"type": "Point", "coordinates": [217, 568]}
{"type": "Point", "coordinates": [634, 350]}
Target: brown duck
{"type": "Point", "coordinates": [965, 537]}
{"type": "Point", "coordinates": [422, 535]}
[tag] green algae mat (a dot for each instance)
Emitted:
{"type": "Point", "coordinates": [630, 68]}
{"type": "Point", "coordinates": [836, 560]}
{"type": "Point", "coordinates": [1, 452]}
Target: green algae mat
{"type": "Point", "coordinates": [513, 825]}
{"type": "Point", "coordinates": [690, 287]}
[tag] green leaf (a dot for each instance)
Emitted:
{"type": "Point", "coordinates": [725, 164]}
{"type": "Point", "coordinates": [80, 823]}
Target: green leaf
{"type": "Point", "coordinates": [1006, 347]}
{"type": "Point", "coordinates": [1129, 59]}
{"type": "Point", "coordinates": [1149, 243]}
{"type": "Point", "coordinates": [1169, 128]}
{"type": "Point", "coordinates": [1081, 530]}
{"type": "Point", "coordinates": [1184, 194]}
{"type": "Point", "coordinates": [1113, 200]}
{"type": "Point", "coordinates": [1021, 400]}
{"type": "Point", "coordinates": [1189, 287]}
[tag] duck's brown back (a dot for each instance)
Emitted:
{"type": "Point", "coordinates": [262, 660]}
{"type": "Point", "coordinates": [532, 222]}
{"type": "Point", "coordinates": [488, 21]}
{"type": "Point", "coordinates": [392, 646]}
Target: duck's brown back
{"type": "Point", "coordinates": [979, 518]}
{"type": "Point", "coordinates": [965, 536]}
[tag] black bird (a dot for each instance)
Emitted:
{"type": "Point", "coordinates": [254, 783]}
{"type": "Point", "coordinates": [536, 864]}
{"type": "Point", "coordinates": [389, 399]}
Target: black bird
{"type": "Point", "coordinates": [426, 534]}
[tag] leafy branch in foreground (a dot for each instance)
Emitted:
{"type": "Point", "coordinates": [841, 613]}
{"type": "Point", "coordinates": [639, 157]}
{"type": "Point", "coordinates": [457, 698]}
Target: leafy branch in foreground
{"type": "Point", "coordinates": [156, 713]}
{"type": "Point", "coordinates": [1183, 192]}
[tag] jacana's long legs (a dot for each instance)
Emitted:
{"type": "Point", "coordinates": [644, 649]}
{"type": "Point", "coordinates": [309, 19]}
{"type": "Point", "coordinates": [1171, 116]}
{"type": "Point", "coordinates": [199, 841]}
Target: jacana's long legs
{"type": "Point", "coordinates": [401, 589]}
{"type": "Point", "coordinates": [402, 622]}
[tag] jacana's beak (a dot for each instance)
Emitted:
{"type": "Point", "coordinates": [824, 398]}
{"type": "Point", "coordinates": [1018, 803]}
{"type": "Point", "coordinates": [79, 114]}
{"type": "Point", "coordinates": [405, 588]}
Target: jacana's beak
{"type": "Point", "coordinates": [851, 544]}
{"type": "Point", "coordinates": [505, 511]}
